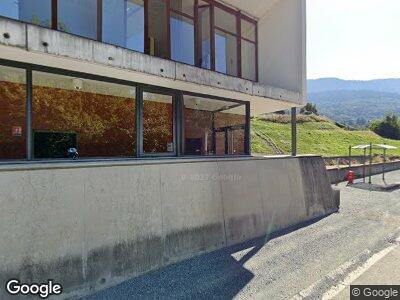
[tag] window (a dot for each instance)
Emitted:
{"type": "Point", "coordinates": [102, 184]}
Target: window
{"type": "Point", "coordinates": [226, 59]}
{"type": "Point", "coordinates": [213, 127]}
{"type": "Point", "coordinates": [158, 40]}
{"type": "Point", "coordinates": [182, 31]}
{"type": "Point", "coordinates": [158, 123]}
{"type": "Point", "coordinates": [123, 23]}
{"type": "Point", "coordinates": [36, 12]}
{"type": "Point", "coordinates": [204, 34]}
{"type": "Point", "coordinates": [78, 17]}
{"type": "Point", "coordinates": [248, 49]}
{"type": "Point", "coordinates": [94, 117]}
{"type": "Point", "coordinates": [12, 113]}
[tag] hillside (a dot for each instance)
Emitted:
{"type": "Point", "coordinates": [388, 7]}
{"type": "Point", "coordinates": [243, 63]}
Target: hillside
{"type": "Point", "coordinates": [355, 103]}
{"type": "Point", "coordinates": [355, 108]}
{"type": "Point", "coordinates": [335, 84]}
{"type": "Point", "coordinates": [315, 136]}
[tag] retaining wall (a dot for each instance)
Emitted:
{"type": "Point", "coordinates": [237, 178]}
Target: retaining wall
{"type": "Point", "coordinates": [90, 225]}
{"type": "Point", "coordinates": [339, 175]}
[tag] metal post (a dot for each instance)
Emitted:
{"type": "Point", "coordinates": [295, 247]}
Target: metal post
{"type": "Point", "coordinates": [370, 163]}
{"type": "Point", "coordinates": [29, 134]}
{"type": "Point", "coordinates": [384, 163]}
{"type": "Point", "coordinates": [294, 131]}
{"type": "Point", "coordinates": [364, 164]}
{"type": "Point", "coordinates": [349, 157]}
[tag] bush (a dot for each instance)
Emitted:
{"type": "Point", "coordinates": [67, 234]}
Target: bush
{"type": "Point", "coordinates": [389, 127]}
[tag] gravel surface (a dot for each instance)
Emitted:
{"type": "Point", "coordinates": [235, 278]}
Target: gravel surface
{"type": "Point", "coordinates": [286, 264]}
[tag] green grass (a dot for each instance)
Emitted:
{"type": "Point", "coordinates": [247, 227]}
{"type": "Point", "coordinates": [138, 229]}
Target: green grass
{"type": "Point", "coordinates": [314, 137]}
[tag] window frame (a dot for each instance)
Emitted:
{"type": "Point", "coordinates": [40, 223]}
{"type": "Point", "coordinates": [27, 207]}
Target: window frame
{"type": "Point", "coordinates": [197, 45]}
{"type": "Point", "coordinates": [178, 120]}
{"type": "Point", "coordinates": [175, 105]}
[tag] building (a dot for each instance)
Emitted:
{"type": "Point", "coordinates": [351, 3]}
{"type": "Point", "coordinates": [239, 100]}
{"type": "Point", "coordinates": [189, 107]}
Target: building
{"type": "Point", "coordinates": [125, 134]}
{"type": "Point", "coordinates": [145, 78]}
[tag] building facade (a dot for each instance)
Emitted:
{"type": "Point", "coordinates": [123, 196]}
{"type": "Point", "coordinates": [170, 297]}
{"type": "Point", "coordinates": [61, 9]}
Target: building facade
{"type": "Point", "coordinates": [144, 78]}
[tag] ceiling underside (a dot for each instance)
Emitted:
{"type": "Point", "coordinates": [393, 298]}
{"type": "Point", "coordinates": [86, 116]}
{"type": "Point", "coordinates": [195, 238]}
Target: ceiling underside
{"type": "Point", "coordinates": [256, 8]}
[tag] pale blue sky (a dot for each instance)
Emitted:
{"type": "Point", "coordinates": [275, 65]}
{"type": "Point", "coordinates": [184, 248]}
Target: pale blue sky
{"type": "Point", "coordinates": [353, 39]}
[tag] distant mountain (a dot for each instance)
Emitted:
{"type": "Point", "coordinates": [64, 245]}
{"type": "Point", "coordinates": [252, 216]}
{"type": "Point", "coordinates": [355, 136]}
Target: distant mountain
{"type": "Point", "coordinates": [355, 103]}
{"type": "Point", "coordinates": [334, 84]}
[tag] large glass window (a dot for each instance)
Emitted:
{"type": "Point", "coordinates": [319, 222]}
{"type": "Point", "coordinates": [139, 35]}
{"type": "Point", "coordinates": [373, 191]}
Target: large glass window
{"type": "Point", "coordinates": [78, 17]}
{"type": "Point", "coordinates": [158, 41]}
{"type": "Point", "coordinates": [158, 123]}
{"type": "Point", "coordinates": [249, 51]}
{"type": "Point", "coordinates": [12, 113]}
{"type": "Point", "coordinates": [226, 59]}
{"type": "Point", "coordinates": [182, 31]}
{"type": "Point", "coordinates": [96, 118]}
{"type": "Point", "coordinates": [33, 11]}
{"type": "Point", "coordinates": [123, 23]}
{"type": "Point", "coordinates": [213, 127]}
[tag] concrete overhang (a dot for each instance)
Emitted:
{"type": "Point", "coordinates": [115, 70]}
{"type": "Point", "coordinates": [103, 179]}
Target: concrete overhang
{"type": "Point", "coordinates": [255, 8]}
{"type": "Point", "coordinates": [41, 46]}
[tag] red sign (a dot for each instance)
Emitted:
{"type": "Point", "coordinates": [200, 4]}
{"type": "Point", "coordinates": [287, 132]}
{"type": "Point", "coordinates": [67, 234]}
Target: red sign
{"type": "Point", "coordinates": [16, 131]}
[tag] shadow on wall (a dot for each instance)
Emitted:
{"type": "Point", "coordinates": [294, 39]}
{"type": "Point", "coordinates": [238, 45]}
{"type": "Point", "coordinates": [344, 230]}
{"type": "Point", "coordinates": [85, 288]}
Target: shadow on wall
{"type": "Point", "coordinates": [216, 275]}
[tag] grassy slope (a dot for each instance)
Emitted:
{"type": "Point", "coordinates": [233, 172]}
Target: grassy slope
{"type": "Point", "coordinates": [314, 137]}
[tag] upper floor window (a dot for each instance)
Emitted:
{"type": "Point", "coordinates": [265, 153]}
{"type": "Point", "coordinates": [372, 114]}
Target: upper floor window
{"type": "Point", "coordinates": [123, 23]}
{"type": "Point", "coordinates": [203, 33]}
{"type": "Point", "coordinates": [182, 31]}
{"type": "Point", "coordinates": [78, 17]}
{"type": "Point", "coordinates": [226, 58]}
{"type": "Point", "coordinates": [249, 49]}
{"type": "Point", "coordinates": [36, 12]}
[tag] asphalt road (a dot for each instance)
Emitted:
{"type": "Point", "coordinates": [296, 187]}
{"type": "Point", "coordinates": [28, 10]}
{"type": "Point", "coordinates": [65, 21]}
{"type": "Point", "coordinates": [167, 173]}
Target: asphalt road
{"type": "Point", "coordinates": [308, 262]}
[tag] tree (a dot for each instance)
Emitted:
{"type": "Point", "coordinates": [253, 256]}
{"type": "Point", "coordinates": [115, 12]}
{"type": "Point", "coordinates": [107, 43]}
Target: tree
{"type": "Point", "coordinates": [389, 127]}
{"type": "Point", "coordinates": [309, 109]}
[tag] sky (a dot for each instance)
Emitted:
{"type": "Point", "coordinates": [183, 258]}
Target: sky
{"type": "Point", "coordinates": [353, 39]}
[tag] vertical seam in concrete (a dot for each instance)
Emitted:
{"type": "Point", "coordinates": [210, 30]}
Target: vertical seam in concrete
{"type": "Point", "coordinates": [85, 253]}
{"type": "Point", "coordinates": [261, 196]}
{"type": "Point", "coordinates": [222, 203]}
{"type": "Point", "coordinates": [26, 37]}
{"type": "Point", "coordinates": [162, 217]}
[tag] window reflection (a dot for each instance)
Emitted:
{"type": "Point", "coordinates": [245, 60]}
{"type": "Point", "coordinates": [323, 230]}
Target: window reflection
{"type": "Point", "coordinates": [158, 30]}
{"type": "Point", "coordinates": [182, 39]}
{"type": "Point", "coordinates": [248, 60]}
{"type": "Point", "coordinates": [248, 48]}
{"type": "Point", "coordinates": [96, 118]}
{"type": "Point", "coordinates": [12, 113]}
{"type": "Point", "coordinates": [226, 59]}
{"type": "Point", "coordinates": [123, 23]}
{"type": "Point", "coordinates": [158, 123]}
{"type": "Point", "coordinates": [204, 35]}
{"type": "Point", "coordinates": [78, 17]}
{"type": "Point", "coordinates": [213, 127]}
{"type": "Point", "coordinates": [37, 12]}
{"type": "Point", "coordinates": [226, 53]}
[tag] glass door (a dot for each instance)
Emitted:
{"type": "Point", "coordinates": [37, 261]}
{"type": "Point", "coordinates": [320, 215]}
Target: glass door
{"type": "Point", "coordinates": [158, 119]}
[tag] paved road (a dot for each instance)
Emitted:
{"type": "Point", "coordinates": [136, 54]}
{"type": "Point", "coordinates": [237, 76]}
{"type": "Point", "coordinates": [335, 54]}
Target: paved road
{"type": "Point", "coordinates": [312, 261]}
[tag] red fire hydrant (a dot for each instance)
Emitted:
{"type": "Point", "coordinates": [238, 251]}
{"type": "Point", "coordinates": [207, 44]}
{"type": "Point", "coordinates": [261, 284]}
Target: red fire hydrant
{"type": "Point", "coordinates": [350, 177]}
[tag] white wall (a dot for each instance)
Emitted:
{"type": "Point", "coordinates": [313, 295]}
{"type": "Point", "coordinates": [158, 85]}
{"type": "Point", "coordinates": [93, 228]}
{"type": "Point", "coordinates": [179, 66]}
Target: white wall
{"type": "Point", "coordinates": [282, 46]}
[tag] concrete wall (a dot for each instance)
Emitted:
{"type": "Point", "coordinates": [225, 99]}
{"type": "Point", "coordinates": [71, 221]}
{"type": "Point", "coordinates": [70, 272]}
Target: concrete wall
{"type": "Point", "coordinates": [282, 47]}
{"type": "Point", "coordinates": [339, 175]}
{"type": "Point", "coordinates": [93, 224]}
